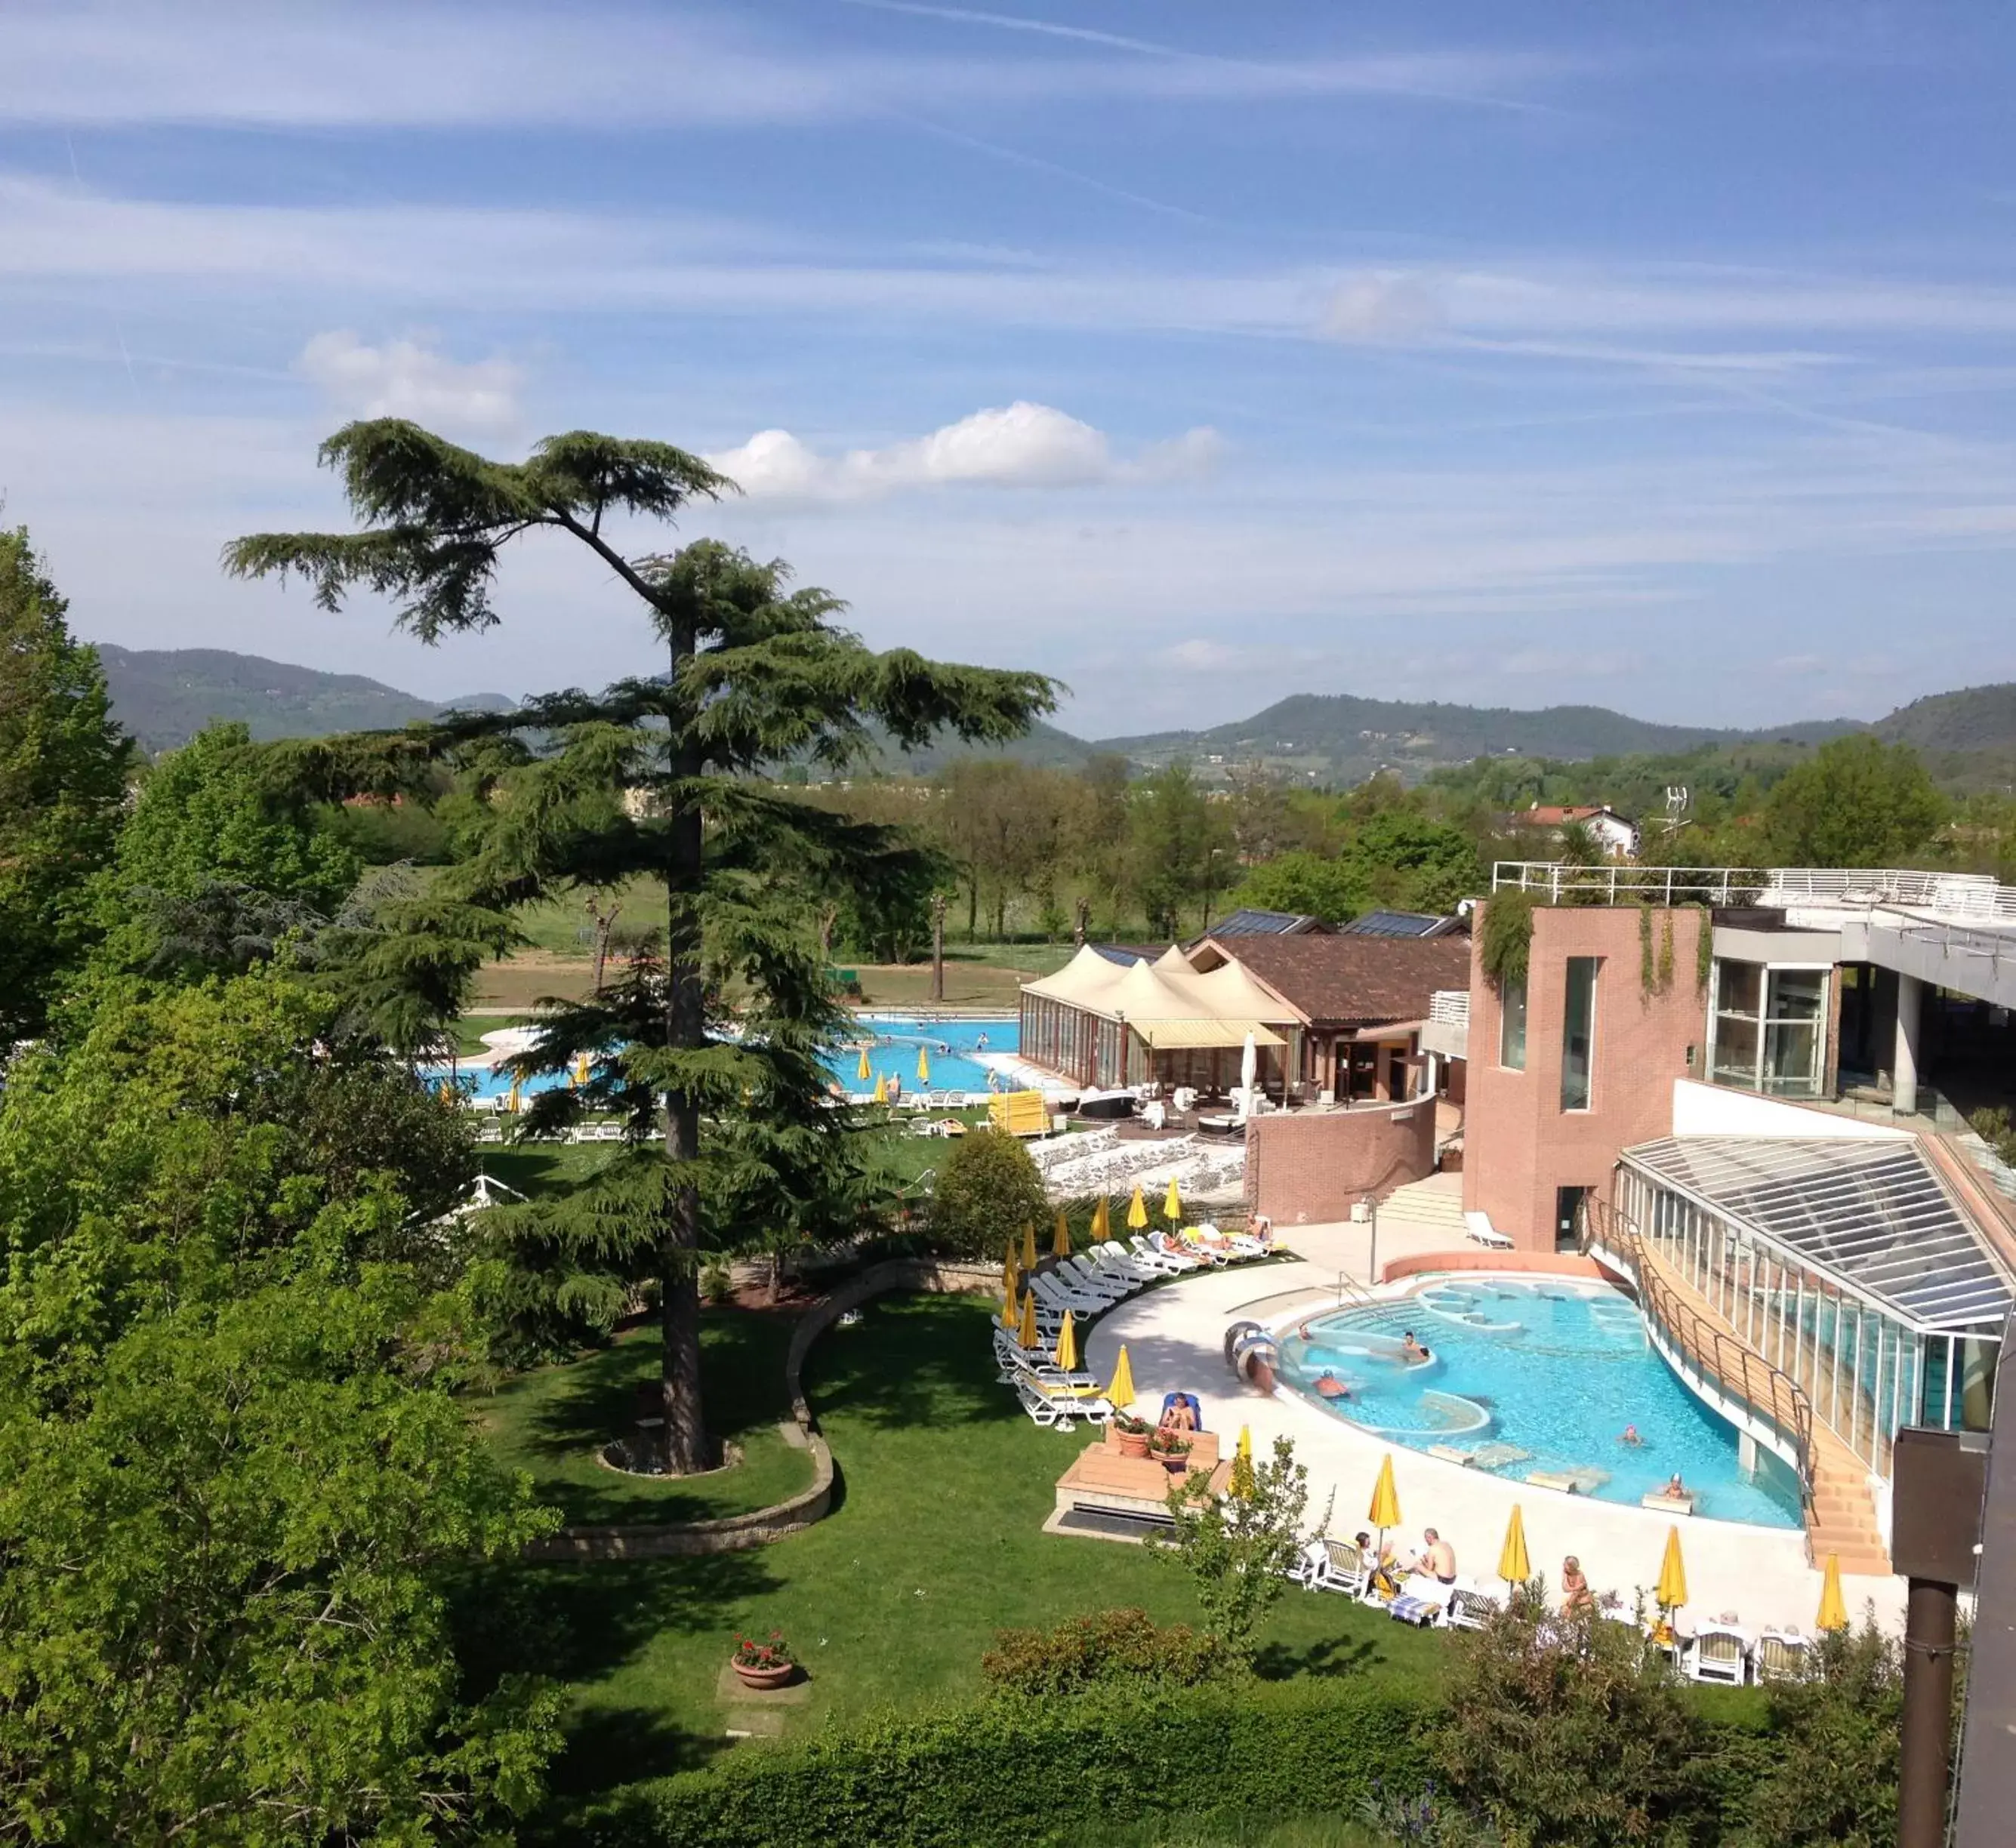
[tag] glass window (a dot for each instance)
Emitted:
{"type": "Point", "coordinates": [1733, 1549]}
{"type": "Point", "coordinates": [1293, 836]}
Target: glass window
{"type": "Point", "coordinates": [1768, 1032]}
{"type": "Point", "coordinates": [1578, 1031]}
{"type": "Point", "coordinates": [1512, 1025]}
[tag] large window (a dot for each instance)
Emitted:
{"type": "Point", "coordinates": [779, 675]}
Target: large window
{"type": "Point", "coordinates": [1768, 1032]}
{"type": "Point", "coordinates": [1512, 1025]}
{"type": "Point", "coordinates": [1578, 1031]}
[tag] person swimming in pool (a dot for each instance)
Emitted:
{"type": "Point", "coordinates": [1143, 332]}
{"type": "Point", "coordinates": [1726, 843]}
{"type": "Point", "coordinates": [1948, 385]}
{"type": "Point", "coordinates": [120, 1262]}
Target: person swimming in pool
{"type": "Point", "coordinates": [1329, 1386]}
{"type": "Point", "coordinates": [1631, 1437]}
{"type": "Point", "coordinates": [979, 1045]}
{"type": "Point", "coordinates": [1412, 1351]}
{"type": "Point", "coordinates": [1675, 1487]}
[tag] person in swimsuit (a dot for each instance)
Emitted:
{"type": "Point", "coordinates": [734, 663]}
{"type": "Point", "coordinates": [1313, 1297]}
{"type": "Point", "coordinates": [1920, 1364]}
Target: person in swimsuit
{"type": "Point", "coordinates": [1675, 1487]}
{"type": "Point", "coordinates": [1179, 1417]}
{"type": "Point", "coordinates": [1329, 1386]}
{"type": "Point", "coordinates": [1437, 1557]}
{"type": "Point", "coordinates": [1412, 1351]}
{"type": "Point", "coordinates": [1631, 1437]}
{"type": "Point", "coordinates": [1575, 1593]}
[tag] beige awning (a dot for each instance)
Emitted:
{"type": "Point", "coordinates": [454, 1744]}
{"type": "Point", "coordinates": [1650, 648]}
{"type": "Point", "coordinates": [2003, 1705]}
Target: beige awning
{"type": "Point", "coordinates": [1173, 1035]}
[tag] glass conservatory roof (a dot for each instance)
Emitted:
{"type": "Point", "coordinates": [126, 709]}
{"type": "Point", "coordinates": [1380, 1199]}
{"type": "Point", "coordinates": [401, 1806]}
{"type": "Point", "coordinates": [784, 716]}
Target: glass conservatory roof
{"type": "Point", "coordinates": [1870, 1211]}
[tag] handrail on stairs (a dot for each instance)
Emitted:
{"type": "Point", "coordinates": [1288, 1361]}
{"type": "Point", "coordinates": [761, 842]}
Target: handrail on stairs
{"type": "Point", "coordinates": [1771, 1393]}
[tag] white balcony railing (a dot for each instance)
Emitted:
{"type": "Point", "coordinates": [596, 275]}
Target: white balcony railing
{"type": "Point", "coordinates": [1449, 1007]}
{"type": "Point", "coordinates": [1962, 898]}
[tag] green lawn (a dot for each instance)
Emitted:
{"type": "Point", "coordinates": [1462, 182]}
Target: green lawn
{"type": "Point", "coordinates": [1246, 1832]}
{"type": "Point", "coordinates": [935, 1544]}
{"type": "Point", "coordinates": [551, 1422]}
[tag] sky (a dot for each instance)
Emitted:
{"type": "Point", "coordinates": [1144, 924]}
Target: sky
{"type": "Point", "coordinates": [1656, 358]}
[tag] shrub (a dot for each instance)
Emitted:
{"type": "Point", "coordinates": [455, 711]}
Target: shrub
{"type": "Point", "coordinates": [987, 1190]}
{"type": "Point", "coordinates": [1506, 942]}
{"type": "Point", "coordinates": [1103, 1646]}
{"type": "Point", "coordinates": [1010, 1773]}
{"type": "Point", "coordinates": [1566, 1735]}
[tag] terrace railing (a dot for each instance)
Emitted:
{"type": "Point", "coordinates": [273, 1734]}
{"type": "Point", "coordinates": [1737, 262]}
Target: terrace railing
{"type": "Point", "coordinates": [1726, 1364]}
{"type": "Point", "coordinates": [1963, 897]}
{"type": "Point", "coordinates": [1449, 1007]}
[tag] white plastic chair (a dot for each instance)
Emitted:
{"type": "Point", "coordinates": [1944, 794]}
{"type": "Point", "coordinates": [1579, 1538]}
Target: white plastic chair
{"type": "Point", "coordinates": [1720, 1652]}
{"type": "Point", "coordinates": [1783, 1654]}
{"type": "Point", "coordinates": [1471, 1607]}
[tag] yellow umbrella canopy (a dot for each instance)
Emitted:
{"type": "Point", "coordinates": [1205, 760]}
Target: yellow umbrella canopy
{"type": "Point", "coordinates": [580, 1070]}
{"type": "Point", "coordinates": [1102, 1222]}
{"type": "Point", "coordinates": [1242, 1464]}
{"type": "Point", "coordinates": [1513, 1566]}
{"type": "Point", "coordinates": [923, 1065]}
{"type": "Point", "coordinates": [881, 1089]}
{"type": "Point", "coordinates": [1028, 1244]}
{"type": "Point", "coordinates": [1385, 1510]}
{"type": "Point", "coordinates": [1172, 1207]}
{"type": "Point", "coordinates": [863, 1071]}
{"type": "Point", "coordinates": [1137, 1211]}
{"type": "Point", "coordinates": [1011, 1312]}
{"type": "Point", "coordinates": [1067, 1343]}
{"type": "Point", "coordinates": [1026, 1334]}
{"type": "Point", "coordinates": [514, 1101]}
{"type": "Point", "coordinates": [1672, 1591]}
{"type": "Point", "coordinates": [1834, 1608]}
{"type": "Point", "coordinates": [1060, 1244]}
{"type": "Point", "coordinates": [1011, 1272]}
{"type": "Point", "coordinates": [1120, 1395]}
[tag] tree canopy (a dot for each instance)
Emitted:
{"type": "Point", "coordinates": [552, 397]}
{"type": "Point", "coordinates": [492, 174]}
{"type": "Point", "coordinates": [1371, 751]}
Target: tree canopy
{"type": "Point", "coordinates": [1855, 802]}
{"type": "Point", "coordinates": [63, 765]}
{"type": "Point", "coordinates": [653, 776]}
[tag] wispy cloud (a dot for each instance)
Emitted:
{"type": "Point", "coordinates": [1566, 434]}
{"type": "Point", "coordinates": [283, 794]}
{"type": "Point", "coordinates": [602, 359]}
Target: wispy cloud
{"type": "Point", "coordinates": [1023, 445]}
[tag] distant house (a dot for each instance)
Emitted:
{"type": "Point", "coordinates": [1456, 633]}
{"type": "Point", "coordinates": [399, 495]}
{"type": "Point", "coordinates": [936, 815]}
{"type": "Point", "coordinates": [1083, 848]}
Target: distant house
{"type": "Point", "coordinates": [1617, 834]}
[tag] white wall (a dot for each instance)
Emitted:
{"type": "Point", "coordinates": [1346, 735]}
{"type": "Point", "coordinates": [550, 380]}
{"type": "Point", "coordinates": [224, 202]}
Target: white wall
{"type": "Point", "coordinates": [1702, 1110]}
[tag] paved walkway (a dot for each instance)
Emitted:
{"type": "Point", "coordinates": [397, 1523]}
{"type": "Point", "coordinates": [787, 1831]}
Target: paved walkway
{"type": "Point", "coordinates": [1175, 1341]}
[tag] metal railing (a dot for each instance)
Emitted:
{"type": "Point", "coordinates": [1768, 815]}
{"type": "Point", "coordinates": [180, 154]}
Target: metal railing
{"type": "Point", "coordinates": [1771, 1395]}
{"type": "Point", "coordinates": [1962, 896]}
{"type": "Point", "coordinates": [1450, 1007]}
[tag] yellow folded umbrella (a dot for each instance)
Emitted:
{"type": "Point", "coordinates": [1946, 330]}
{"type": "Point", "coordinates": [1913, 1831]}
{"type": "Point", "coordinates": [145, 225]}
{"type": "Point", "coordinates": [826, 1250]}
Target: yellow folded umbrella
{"type": "Point", "coordinates": [923, 1065]}
{"type": "Point", "coordinates": [1026, 1334]}
{"type": "Point", "coordinates": [1011, 1313]}
{"type": "Point", "coordinates": [1067, 1343]}
{"type": "Point", "coordinates": [1242, 1464]}
{"type": "Point", "coordinates": [1011, 1268]}
{"type": "Point", "coordinates": [515, 1100]}
{"type": "Point", "coordinates": [1060, 1242]}
{"type": "Point", "coordinates": [1513, 1567]}
{"type": "Point", "coordinates": [1246, 1442]}
{"type": "Point", "coordinates": [1120, 1395]}
{"type": "Point", "coordinates": [881, 1089]}
{"type": "Point", "coordinates": [1172, 1208]}
{"type": "Point", "coordinates": [1028, 1244]}
{"type": "Point", "coordinates": [1385, 1510]}
{"type": "Point", "coordinates": [863, 1071]}
{"type": "Point", "coordinates": [1137, 1211]}
{"type": "Point", "coordinates": [1102, 1222]}
{"type": "Point", "coordinates": [580, 1072]}
{"type": "Point", "coordinates": [1834, 1608]}
{"type": "Point", "coordinates": [1672, 1591]}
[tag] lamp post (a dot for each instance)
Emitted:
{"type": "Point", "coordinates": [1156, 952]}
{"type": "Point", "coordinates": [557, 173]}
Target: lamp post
{"type": "Point", "coordinates": [938, 946]}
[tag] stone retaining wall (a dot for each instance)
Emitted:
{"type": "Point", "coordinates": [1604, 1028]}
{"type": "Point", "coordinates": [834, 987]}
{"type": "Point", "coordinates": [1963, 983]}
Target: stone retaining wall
{"type": "Point", "coordinates": [733, 1532]}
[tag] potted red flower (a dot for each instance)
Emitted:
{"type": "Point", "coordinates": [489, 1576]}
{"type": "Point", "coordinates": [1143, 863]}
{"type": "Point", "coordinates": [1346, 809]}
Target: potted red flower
{"type": "Point", "coordinates": [1170, 1448]}
{"type": "Point", "coordinates": [768, 1664]}
{"type": "Point", "coordinates": [1133, 1435]}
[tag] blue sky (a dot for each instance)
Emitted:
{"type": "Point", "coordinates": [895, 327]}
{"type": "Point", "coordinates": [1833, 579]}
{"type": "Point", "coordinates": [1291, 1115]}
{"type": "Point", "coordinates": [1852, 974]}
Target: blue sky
{"type": "Point", "coordinates": [1662, 358]}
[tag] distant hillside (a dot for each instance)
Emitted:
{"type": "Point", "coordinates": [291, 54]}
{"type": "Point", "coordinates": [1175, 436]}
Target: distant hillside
{"type": "Point", "coordinates": [1337, 738]}
{"type": "Point", "coordinates": [1973, 719]}
{"type": "Point", "coordinates": [165, 696]}
{"type": "Point", "coordinates": [1042, 745]}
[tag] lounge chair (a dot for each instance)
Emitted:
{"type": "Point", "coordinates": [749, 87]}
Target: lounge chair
{"type": "Point", "coordinates": [1471, 1606]}
{"type": "Point", "coordinates": [1145, 1256]}
{"type": "Point", "coordinates": [1061, 1296]}
{"type": "Point", "coordinates": [1721, 1652]}
{"type": "Point", "coordinates": [1783, 1654]}
{"type": "Point", "coordinates": [1330, 1565]}
{"type": "Point", "coordinates": [1088, 1271]}
{"type": "Point", "coordinates": [1478, 1227]}
{"type": "Point", "coordinates": [1109, 1257]}
{"type": "Point", "coordinates": [1056, 1412]}
{"type": "Point", "coordinates": [1422, 1602]}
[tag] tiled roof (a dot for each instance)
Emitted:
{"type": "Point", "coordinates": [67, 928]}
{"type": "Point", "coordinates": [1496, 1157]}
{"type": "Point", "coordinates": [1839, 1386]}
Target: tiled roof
{"type": "Point", "coordinates": [1354, 980]}
{"type": "Point", "coordinates": [1401, 924]}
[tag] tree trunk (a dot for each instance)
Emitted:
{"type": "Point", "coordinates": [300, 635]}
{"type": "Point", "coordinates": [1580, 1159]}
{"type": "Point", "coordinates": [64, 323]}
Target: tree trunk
{"type": "Point", "coordinates": [687, 1445]}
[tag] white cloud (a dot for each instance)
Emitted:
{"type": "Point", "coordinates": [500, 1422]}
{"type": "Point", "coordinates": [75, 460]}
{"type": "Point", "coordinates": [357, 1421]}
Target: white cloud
{"type": "Point", "coordinates": [1376, 306]}
{"type": "Point", "coordinates": [405, 378]}
{"type": "Point", "coordinates": [1021, 445]}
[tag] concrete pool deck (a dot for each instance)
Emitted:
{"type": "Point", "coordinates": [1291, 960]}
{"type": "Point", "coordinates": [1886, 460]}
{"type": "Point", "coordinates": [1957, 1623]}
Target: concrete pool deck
{"type": "Point", "coordinates": [1175, 1340]}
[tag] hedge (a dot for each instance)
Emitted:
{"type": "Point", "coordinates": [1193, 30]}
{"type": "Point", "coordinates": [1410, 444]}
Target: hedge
{"type": "Point", "coordinates": [1012, 1772]}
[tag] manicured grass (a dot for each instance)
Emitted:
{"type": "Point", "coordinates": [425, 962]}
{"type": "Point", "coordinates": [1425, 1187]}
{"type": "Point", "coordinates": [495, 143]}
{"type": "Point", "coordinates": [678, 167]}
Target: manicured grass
{"type": "Point", "coordinates": [550, 1421]}
{"type": "Point", "coordinates": [935, 1543]}
{"type": "Point", "coordinates": [534, 1168]}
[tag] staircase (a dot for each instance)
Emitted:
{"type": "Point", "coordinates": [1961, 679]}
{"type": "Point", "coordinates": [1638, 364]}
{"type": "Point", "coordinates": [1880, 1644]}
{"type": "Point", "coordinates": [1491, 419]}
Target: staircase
{"type": "Point", "coordinates": [1436, 1201]}
{"type": "Point", "coordinates": [1841, 1516]}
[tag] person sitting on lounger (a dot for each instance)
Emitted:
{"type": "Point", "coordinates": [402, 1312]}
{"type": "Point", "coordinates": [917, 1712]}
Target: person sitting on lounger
{"type": "Point", "coordinates": [1412, 1351]}
{"type": "Point", "coordinates": [1178, 1417]}
{"type": "Point", "coordinates": [1382, 1578]}
{"type": "Point", "coordinates": [1575, 1593]}
{"type": "Point", "coordinates": [1329, 1386]}
{"type": "Point", "coordinates": [1437, 1559]}
{"type": "Point", "coordinates": [1631, 1437]}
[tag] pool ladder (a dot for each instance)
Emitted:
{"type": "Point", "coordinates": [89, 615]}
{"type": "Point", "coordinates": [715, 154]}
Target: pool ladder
{"type": "Point", "coordinates": [1351, 1293]}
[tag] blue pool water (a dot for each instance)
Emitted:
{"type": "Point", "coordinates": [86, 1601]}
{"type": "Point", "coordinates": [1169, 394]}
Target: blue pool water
{"type": "Point", "coordinates": [893, 1040]}
{"type": "Point", "coordinates": [1545, 1368]}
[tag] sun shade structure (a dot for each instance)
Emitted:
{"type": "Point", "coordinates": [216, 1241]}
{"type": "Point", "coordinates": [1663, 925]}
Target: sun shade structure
{"type": "Point", "coordinates": [1060, 1242]}
{"type": "Point", "coordinates": [1028, 1244]}
{"type": "Point", "coordinates": [1172, 1207]}
{"type": "Point", "coordinates": [1385, 1510]}
{"type": "Point", "coordinates": [1067, 1343]}
{"type": "Point", "coordinates": [1120, 1394]}
{"type": "Point", "coordinates": [1672, 1592]}
{"type": "Point", "coordinates": [1513, 1566]}
{"type": "Point", "coordinates": [1026, 1334]}
{"type": "Point", "coordinates": [863, 1070]}
{"type": "Point", "coordinates": [1834, 1607]}
{"type": "Point", "coordinates": [923, 1065]}
{"type": "Point", "coordinates": [1137, 1211]}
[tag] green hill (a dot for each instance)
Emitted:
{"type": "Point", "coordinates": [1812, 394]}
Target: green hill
{"type": "Point", "coordinates": [165, 696]}
{"type": "Point", "coordinates": [1972, 719]}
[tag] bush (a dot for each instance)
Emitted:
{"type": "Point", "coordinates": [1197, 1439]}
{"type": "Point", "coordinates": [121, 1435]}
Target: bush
{"type": "Point", "coordinates": [987, 1190]}
{"type": "Point", "coordinates": [1566, 1735]}
{"type": "Point", "coordinates": [1104, 1646]}
{"type": "Point", "coordinates": [1010, 1773]}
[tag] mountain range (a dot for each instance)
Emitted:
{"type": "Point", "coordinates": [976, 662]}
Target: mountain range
{"type": "Point", "coordinates": [163, 696]}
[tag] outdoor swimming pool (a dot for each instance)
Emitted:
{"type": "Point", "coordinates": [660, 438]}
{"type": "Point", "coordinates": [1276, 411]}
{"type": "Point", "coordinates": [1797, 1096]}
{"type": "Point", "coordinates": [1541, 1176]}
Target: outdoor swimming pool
{"type": "Point", "coordinates": [1535, 1376]}
{"type": "Point", "coordinates": [894, 1040]}
{"type": "Point", "coordinates": [893, 1054]}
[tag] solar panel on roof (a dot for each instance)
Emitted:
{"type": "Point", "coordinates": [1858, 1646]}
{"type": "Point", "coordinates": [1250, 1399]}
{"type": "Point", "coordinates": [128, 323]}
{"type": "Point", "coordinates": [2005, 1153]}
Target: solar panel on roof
{"type": "Point", "coordinates": [1871, 1212]}
{"type": "Point", "coordinates": [1394, 924]}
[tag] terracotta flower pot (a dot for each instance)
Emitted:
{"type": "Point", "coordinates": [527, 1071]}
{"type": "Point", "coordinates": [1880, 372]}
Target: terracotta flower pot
{"type": "Point", "coordinates": [1133, 1443]}
{"type": "Point", "coordinates": [750, 1675]}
